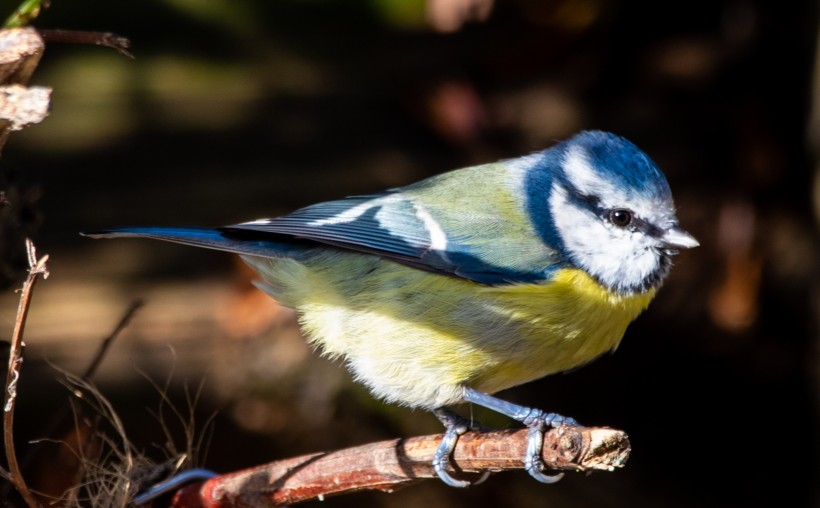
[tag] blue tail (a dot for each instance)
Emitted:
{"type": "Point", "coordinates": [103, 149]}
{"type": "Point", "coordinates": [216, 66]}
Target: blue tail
{"type": "Point", "coordinates": [252, 244]}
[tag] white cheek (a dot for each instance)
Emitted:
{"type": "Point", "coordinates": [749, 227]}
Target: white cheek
{"type": "Point", "coordinates": [617, 257]}
{"type": "Point", "coordinates": [632, 257]}
{"type": "Point", "coordinates": [583, 234]}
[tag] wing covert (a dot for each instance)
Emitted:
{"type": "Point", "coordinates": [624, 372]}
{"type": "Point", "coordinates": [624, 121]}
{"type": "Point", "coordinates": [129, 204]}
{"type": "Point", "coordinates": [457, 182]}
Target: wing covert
{"type": "Point", "coordinates": [394, 226]}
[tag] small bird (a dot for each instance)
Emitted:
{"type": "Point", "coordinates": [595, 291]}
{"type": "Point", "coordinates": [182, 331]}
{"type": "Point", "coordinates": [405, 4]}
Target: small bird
{"type": "Point", "coordinates": [451, 289]}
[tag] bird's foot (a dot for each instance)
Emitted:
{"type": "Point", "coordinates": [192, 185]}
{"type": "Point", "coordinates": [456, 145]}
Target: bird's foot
{"type": "Point", "coordinates": [456, 426]}
{"type": "Point", "coordinates": [538, 422]}
{"type": "Point", "coordinates": [535, 419]}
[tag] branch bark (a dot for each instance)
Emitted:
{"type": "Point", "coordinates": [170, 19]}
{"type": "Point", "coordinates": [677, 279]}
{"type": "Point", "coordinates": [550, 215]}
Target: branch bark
{"type": "Point", "coordinates": [390, 465]}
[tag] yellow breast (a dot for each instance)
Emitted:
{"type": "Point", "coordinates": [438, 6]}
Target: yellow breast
{"type": "Point", "coordinates": [562, 324]}
{"type": "Point", "coordinates": [416, 338]}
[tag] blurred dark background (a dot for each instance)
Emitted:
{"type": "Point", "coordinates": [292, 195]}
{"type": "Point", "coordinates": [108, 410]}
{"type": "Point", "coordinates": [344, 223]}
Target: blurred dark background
{"type": "Point", "coordinates": [233, 111]}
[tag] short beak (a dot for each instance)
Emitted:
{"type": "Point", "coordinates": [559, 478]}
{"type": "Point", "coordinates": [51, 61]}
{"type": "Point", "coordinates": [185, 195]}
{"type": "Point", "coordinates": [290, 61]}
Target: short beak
{"type": "Point", "coordinates": [676, 238]}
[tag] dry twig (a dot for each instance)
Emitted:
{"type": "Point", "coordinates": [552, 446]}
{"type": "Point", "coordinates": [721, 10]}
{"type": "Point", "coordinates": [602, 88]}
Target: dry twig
{"type": "Point", "coordinates": [81, 435]}
{"type": "Point", "coordinates": [391, 465]}
{"type": "Point", "coordinates": [107, 39]}
{"type": "Point", "coordinates": [107, 341]}
{"type": "Point", "coordinates": [37, 267]}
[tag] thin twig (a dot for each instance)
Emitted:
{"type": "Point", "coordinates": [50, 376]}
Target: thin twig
{"type": "Point", "coordinates": [106, 342]}
{"type": "Point", "coordinates": [107, 39]}
{"type": "Point", "coordinates": [127, 452]}
{"type": "Point", "coordinates": [67, 411]}
{"type": "Point", "coordinates": [37, 267]}
{"type": "Point", "coordinates": [391, 465]}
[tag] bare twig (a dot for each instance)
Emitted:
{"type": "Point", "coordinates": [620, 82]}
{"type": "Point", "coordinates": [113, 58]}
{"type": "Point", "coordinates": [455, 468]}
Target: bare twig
{"type": "Point", "coordinates": [37, 267]}
{"type": "Point", "coordinates": [391, 465]}
{"type": "Point", "coordinates": [127, 453]}
{"type": "Point", "coordinates": [195, 439]}
{"type": "Point", "coordinates": [112, 467]}
{"type": "Point", "coordinates": [68, 412]}
{"type": "Point", "coordinates": [106, 342]}
{"type": "Point", "coordinates": [107, 39]}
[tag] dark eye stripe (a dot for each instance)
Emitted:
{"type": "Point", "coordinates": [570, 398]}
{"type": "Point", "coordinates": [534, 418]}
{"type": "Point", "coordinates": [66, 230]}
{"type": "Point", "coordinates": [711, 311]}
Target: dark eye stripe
{"type": "Point", "coordinates": [589, 199]}
{"type": "Point", "coordinates": [646, 227]}
{"type": "Point", "coordinates": [593, 203]}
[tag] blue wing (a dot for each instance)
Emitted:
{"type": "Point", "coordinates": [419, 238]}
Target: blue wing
{"type": "Point", "coordinates": [394, 226]}
{"type": "Point", "coordinates": [391, 225]}
{"type": "Point", "coordinates": [382, 224]}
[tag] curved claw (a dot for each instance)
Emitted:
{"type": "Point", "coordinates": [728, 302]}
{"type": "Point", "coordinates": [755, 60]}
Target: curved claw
{"type": "Point", "coordinates": [532, 458]}
{"type": "Point", "coordinates": [545, 478]}
{"type": "Point", "coordinates": [535, 419]}
{"type": "Point", "coordinates": [482, 478]}
{"type": "Point", "coordinates": [443, 454]}
{"type": "Point", "coordinates": [456, 425]}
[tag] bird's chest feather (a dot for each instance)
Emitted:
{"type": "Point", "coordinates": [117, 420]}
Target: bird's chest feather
{"type": "Point", "coordinates": [416, 338]}
{"type": "Point", "coordinates": [557, 325]}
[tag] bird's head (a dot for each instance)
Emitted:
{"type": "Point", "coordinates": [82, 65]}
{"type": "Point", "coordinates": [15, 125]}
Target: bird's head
{"type": "Point", "coordinates": [607, 209]}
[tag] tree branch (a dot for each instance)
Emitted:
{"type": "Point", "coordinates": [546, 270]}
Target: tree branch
{"type": "Point", "coordinates": [391, 465]}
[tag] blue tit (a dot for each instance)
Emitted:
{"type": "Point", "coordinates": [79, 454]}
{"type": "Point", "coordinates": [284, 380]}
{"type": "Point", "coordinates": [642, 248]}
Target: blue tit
{"type": "Point", "coordinates": [473, 281]}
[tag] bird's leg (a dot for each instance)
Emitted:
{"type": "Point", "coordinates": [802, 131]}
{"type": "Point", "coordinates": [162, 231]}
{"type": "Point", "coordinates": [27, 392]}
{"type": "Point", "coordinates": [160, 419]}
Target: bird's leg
{"type": "Point", "coordinates": [456, 425]}
{"type": "Point", "coordinates": [536, 420]}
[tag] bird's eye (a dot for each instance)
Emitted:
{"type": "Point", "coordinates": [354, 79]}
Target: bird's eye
{"type": "Point", "coordinates": [620, 217]}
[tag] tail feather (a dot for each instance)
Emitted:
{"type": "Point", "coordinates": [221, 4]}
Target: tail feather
{"type": "Point", "coordinates": [256, 245]}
